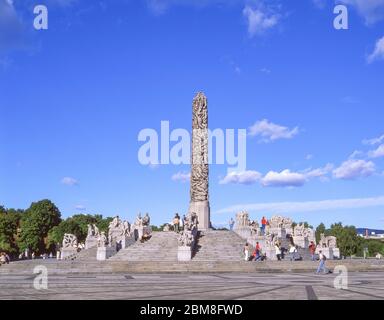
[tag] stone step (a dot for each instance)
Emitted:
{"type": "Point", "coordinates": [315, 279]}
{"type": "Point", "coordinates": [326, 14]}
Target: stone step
{"type": "Point", "coordinates": [162, 246]}
{"type": "Point", "coordinates": [131, 267]}
{"type": "Point", "coordinates": [219, 246]}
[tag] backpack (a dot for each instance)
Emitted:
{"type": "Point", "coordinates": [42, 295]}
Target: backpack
{"type": "Point", "coordinates": [324, 257]}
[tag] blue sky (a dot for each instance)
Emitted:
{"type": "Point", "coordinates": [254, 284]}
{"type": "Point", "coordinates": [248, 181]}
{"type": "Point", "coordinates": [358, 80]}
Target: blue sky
{"type": "Point", "coordinates": [73, 99]}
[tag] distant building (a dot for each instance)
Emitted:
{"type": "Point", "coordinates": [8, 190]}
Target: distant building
{"type": "Point", "coordinates": [370, 233]}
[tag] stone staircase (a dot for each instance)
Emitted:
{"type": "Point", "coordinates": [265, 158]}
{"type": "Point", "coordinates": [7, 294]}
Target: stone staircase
{"type": "Point", "coordinates": [85, 255]}
{"type": "Point", "coordinates": [162, 246]}
{"type": "Point", "coordinates": [219, 246]}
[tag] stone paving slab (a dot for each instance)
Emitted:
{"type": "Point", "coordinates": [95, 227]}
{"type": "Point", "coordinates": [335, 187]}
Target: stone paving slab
{"type": "Point", "coordinates": [230, 286]}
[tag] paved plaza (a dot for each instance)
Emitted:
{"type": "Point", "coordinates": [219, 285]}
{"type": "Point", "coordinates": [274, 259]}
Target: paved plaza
{"type": "Point", "coordinates": [261, 286]}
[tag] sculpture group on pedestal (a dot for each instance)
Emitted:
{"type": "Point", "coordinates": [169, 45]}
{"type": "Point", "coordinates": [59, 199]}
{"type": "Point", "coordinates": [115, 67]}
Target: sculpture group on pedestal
{"type": "Point", "coordinates": [141, 229]}
{"type": "Point", "coordinates": [278, 229]}
{"type": "Point", "coordinates": [92, 236]}
{"type": "Point", "coordinates": [70, 241]}
{"type": "Point", "coordinates": [187, 239]}
{"type": "Point", "coordinates": [70, 246]}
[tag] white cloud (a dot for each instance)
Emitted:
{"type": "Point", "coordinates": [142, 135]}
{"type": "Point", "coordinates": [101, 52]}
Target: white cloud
{"type": "Point", "coordinates": [80, 207]}
{"type": "Point", "coordinates": [69, 181]}
{"type": "Point", "coordinates": [320, 3]}
{"type": "Point", "coordinates": [353, 169]}
{"type": "Point", "coordinates": [265, 70]}
{"type": "Point", "coordinates": [356, 154]}
{"type": "Point", "coordinates": [378, 153]}
{"type": "Point", "coordinates": [159, 7]}
{"type": "Point", "coordinates": [245, 177]}
{"type": "Point", "coordinates": [378, 52]}
{"type": "Point", "coordinates": [349, 100]}
{"type": "Point", "coordinates": [371, 10]}
{"type": "Point", "coordinates": [11, 28]}
{"type": "Point", "coordinates": [260, 19]}
{"type": "Point", "coordinates": [309, 157]}
{"type": "Point", "coordinates": [285, 178]}
{"type": "Point", "coordinates": [182, 176]}
{"type": "Point", "coordinates": [307, 206]}
{"type": "Point", "coordinates": [374, 141]}
{"type": "Point", "coordinates": [319, 172]}
{"type": "Point", "coordinates": [271, 132]}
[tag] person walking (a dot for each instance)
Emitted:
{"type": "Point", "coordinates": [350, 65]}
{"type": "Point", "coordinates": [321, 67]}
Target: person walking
{"type": "Point", "coordinates": [263, 224]}
{"type": "Point", "coordinates": [322, 266]}
{"type": "Point", "coordinates": [257, 252]}
{"type": "Point", "coordinates": [312, 251]}
{"type": "Point", "coordinates": [231, 224]}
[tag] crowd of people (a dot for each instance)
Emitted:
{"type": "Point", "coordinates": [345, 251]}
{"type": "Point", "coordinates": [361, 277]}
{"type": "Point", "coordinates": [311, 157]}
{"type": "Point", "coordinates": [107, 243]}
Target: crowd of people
{"type": "Point", "coordinates": [280, 251]}
{"type": "Point", "coordinates": [178, 223]}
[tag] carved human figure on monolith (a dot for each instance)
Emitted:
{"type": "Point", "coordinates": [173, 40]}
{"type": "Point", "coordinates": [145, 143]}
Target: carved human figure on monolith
{"type": "Point", "coordinates": [199, 162]}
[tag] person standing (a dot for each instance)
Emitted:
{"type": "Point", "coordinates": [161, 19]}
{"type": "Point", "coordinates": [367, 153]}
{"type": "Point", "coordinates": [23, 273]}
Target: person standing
{"type": "Point", "coordinates": [263, 224]}
{"type": "Point", "coordinates": [246, 252]}
{"type": "Point", "coordinates": [176, 223]}
{"type": "Point", "coordinates": [278, 251]}
{"type": "Point", "coordinates": [231, 224]}
{"type": "Point", "coordinates": [322, 266]}
{"type": "Point", "coordinates": [312, 251]}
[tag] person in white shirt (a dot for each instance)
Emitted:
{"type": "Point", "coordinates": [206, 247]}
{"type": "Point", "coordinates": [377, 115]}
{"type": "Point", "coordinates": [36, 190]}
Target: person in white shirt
{"type": "Point", "coordinates": [246, 252]}
{"type": "Point", "coordinates": [322, 267]}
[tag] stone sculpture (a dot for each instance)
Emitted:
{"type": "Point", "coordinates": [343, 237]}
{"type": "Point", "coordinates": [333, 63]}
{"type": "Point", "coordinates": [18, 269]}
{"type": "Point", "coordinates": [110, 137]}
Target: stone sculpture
{"type": "Point", "coordinates": [298, 231]}
{"type": "Point", "coordinates": [199, 162]}
{"type": "Point", "coordinates": [142, 229]}
{"type": "Point", "coordinates": [242, 219]}
{"type": "Point", "coordinates": [93, 231]}
{"type": "Point", "coordinates": [70, 241]}
{"type": "Point", "coordinates": [276, 222]}
{"type": "Point", "coordinates": [102, 241]}
{"type": "Point", "coordinates": [328, 242]}
{"type": "Point", "coordinates": [146, 220]}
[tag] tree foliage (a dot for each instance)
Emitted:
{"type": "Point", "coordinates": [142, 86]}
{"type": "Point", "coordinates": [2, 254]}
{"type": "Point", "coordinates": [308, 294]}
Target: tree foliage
{"type": "Point", "coordinates": [36, 223]}
{"type": "Point", "coordinates": [9, 224]}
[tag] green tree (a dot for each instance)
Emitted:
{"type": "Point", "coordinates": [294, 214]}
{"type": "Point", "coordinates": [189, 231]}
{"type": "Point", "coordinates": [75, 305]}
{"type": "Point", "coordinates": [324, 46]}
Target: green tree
{"type": "Point", "coordinates": [347, 239]}
{"type": "Point", "coordinates": [78, 226]}
{"type": "Point", "coordinates": [103, 224]}
{"type": "Point", "coordinates": [320, 230]}
{"type": "Point", "coordinates": [35, 225]}
{"type": "Point", "coordinates": [9, 224]}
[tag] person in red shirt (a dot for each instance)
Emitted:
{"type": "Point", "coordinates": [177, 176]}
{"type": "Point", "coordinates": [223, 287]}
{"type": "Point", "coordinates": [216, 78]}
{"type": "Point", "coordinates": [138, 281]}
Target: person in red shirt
{"type": "Point", "coordinates": [257, 253]}
{"type": "Point", "coordinates": [312, 250]}
{"type": "Point", "coordinates": [263, 224]}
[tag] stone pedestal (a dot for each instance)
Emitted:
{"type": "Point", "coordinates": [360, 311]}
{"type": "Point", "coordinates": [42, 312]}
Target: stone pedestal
{"type": "Point", "coordinates": [203, 211]}
{"type": "Point", "coordinates": [254, 239]}
{"type": "Point", "coordinates": [328, 252]}
{"type": "Point", "coordinates": [91, 242]}
{"type": "Point", "coordinates": [125, 242]}
{"type": "Point", "coordinates": [336, 253]}
{"type": "Point", "coordinates": [67, 252]}
{"type": "Point", "coordinates": [142, 232]}
{"type": "Point", "coordinates": [271, 254]}
{"type": "Point", "coordinates": [301, 242]}
{"type": "Point", "coordinates": [184, 253]}
{"type": "Point", "coordinates": [244, 232]}
{"type": "Point", "coordinates": [104, 253]}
